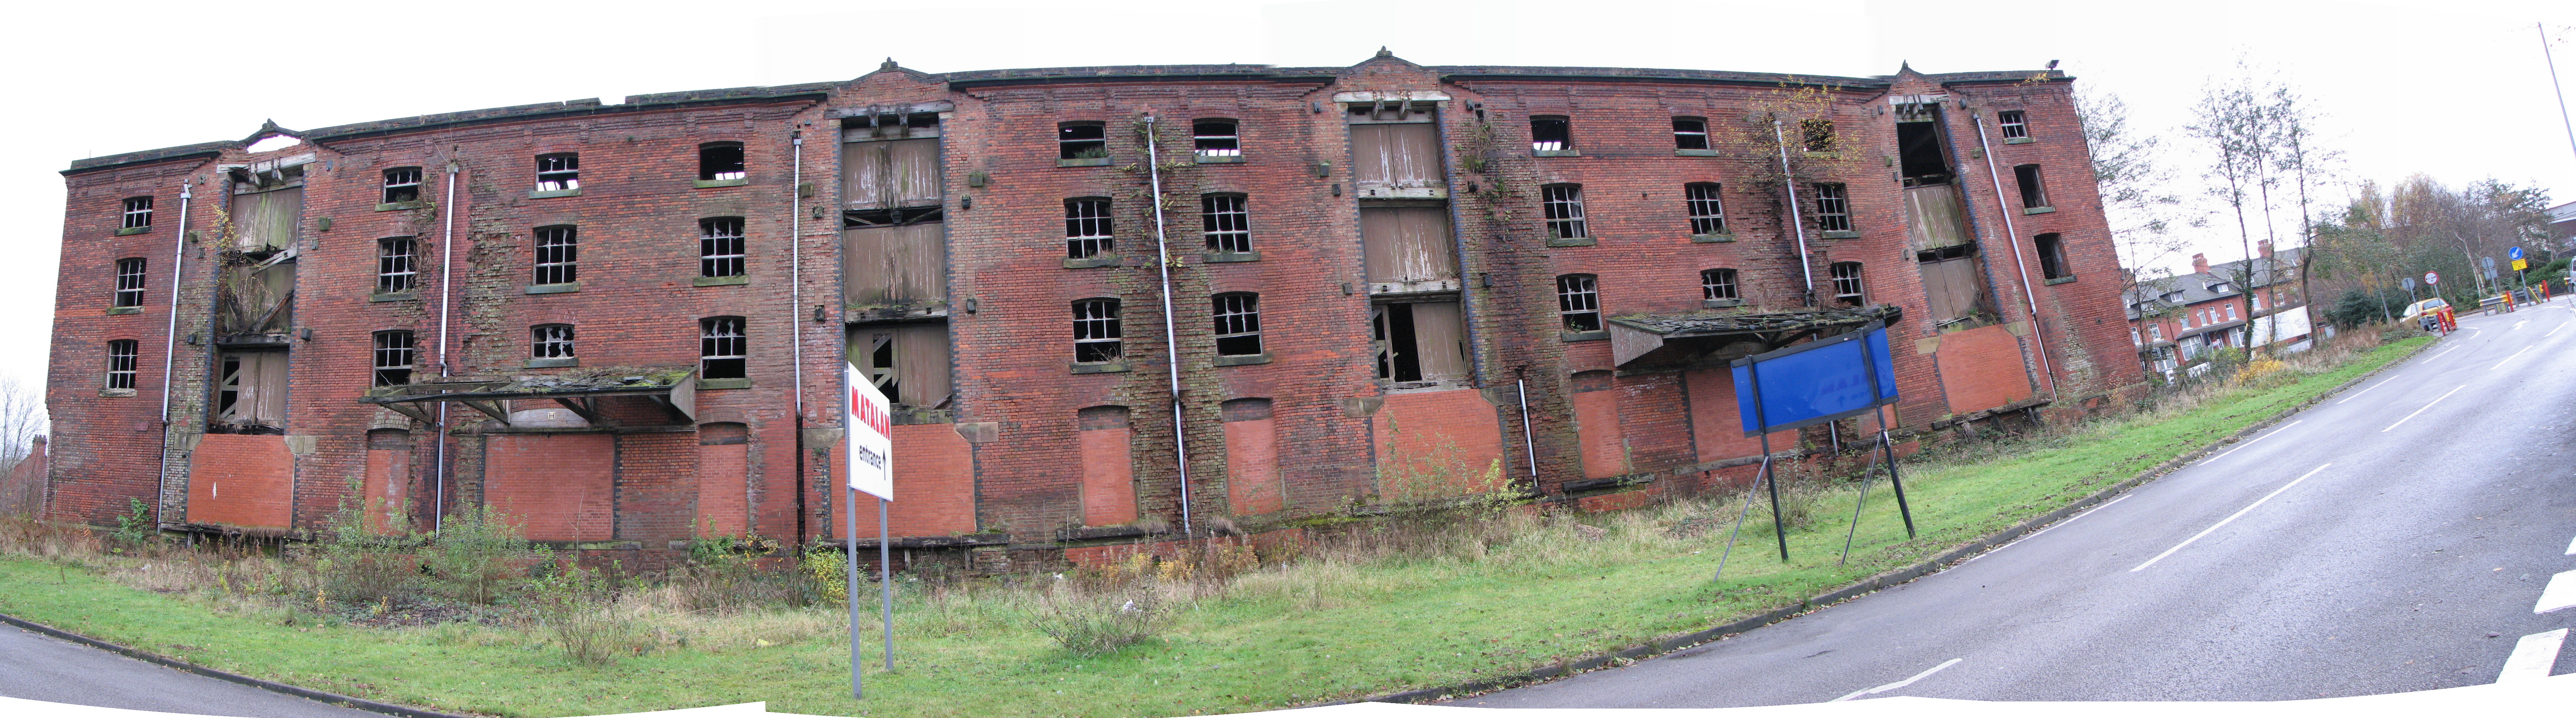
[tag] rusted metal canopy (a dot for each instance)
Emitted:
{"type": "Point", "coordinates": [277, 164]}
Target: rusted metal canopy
{"type": "Point", "coordinates": [672, 388]}
{"type": "Point", "coordinates": [1719, 335]}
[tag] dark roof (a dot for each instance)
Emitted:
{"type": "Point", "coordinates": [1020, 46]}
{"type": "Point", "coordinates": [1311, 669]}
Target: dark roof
{"type": "Point", "coordinates": [198, 150]}
{"type": "Point", "coordinates": [2195, 287]}
{"type": "Point", "coordinates": [1712, 323]}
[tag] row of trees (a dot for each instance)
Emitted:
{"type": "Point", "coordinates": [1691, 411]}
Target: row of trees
{"type": "Point", "coordinates": [2381, 237]}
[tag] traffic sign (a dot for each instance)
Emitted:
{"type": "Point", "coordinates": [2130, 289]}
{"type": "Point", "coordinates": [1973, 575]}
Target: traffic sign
{"type": "Point", "coordinates": [2514, 254]}
{"type": "Point", "coordinates": [2432, 278]}
{"type": "Point", "coordinates": [2519, 265]}
{"type": "Point", "coordinates": [2489, 261]}
{"type": "Point", "coordinates": [2408, 281]}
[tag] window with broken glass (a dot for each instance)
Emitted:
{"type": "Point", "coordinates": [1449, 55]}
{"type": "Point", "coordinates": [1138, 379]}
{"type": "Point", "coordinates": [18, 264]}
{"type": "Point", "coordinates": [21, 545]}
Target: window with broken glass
{"type": "Point", "coordinates": [1216, 138]}
{"type": "Point", "coordinates": [1816, 135]}
{"type": "Point", "coordinates": [558, 255]}
{"type": "Point", "coordinates": [2033, 193]}
{"type": "Point", "coordinates": [1238, 324]}
{"type": "Point", "coordinates": [1690, 133]}
{"type": "Point", "coordinates": [720, 247]}
{"type": "Point", "coordinates": [722, 350]}
{"type": "Point", "coordinates": [120, 363]}
{"type": "Point", "coordinates": [558, 172]}
{"type": "Point", "coordinates": [1717, 284]}
{"type": "Point", "coordinates": [1707, 213]}
{"type": "Point", "coordinates": [2052, 260]}
{"type": "Point", "coordinates": [550, 341]}
{"type": "Point", "coordinates": [1228, 223]}
{"type": "Point", "coordinates": [129, 282]}
{"type": "Point", "coordinates": [138, 212]}
{"type": "Point", "coordinates": [2013, 125]}
{"type": "Point", "coordinates": [402, 184]}
{"type": "Point", "coordinates": [1833, 208]}
{"type": "Point", "coordinates": [1563, 205]}
{"type": "Point", "coordinates": [1086, 227]}
{"type": "Point", "coordinates": [1095, 330]}
{"type": "Point", "coordinates": [720, 161]}
{"type": "Point", "coordinates": [1578, 302]}
{"type": "Point", "coordinates": [394, 356]}
{"type": "Point", "coordinates": [1551, 133]}
{"type": "Point", "coordinates": [1081, 140]}
{"type": "Point", "coordinates": [396, 264]}
{"type": "Point", "coordinates": [1847, 288]}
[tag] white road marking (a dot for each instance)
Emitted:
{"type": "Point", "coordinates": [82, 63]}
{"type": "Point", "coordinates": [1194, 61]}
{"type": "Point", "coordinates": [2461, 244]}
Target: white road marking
{"type": "Point", "coordinates": [2517, 325]}
{"type": "Point", "coordinates": [2437, 357]}
{"type": "Point", "coordinates": [1898, 684]}
{"type": "Point", "coordinates": [2571, 547]}
{"type": "Point", "coordinates": [2250, 442]}
{"type": "Point", "coordinates": [2436, 400]}
{"type": "Point", "coordinates": [2554, 331]}
{"type": "Point", "coordinates": [2561, 593]}
{"type": "Point", "coordinates": [2051, 527]}
{"type": "Point", "coordinates": [2232, 517]}
{"type": "Point", "coordinates": [2533, 656]}
{"type": "Point", "coordinates": [2373, 386]}
{"type": "Point", "coordinates": [2516, 353]}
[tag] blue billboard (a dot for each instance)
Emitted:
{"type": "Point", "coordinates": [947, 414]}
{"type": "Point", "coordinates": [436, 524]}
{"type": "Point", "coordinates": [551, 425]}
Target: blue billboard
{"type": "Point", "coordinates": [1824, 380]}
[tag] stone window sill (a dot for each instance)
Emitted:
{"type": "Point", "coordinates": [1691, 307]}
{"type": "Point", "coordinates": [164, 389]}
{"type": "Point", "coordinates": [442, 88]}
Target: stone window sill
{"type": "Point", "coordinates": [2057, 281]}
{"type": "Point", "coordinates": [1814, 155]}
{"type": "Point", "coordinates": [1570, 241]}
{"type": "Point", "coordinates": [1841, 234]}
{"type": "Point", "coordinates": [1244, 360]}
{"type": "Point", "coordinates": [544, 193]}
{"type": "Point", "coordinates": [566, 288]}
{"type": "Point", "coordinates": [1220, 159]}
{"type": "Point", "coordinates": [1083, 162]}
{"type": "Point", "coordinates": [392, 297]}
{"type": "Point", "coordinates": [1106, 367]}
{"type": "Point", "coordinates": [124, 310]}
{"type": "Point", "coordinates": [132, 230]}
{"type": "Point", "coordinates": [116, 392]}
{"type": "Point", "coordinates": [563, 361]}
{"type": "Point", "coordinates": [2020, 140]}
{"type": "Point", "coordinates": [1106, 260]}
{"type": "Point", "coordinates": [744, 383]}
{"type": "Point", "coordinates": [719, 281]}
{"type": "Point", "coordinates": [1215, 257]}
{"type": "Point", "coordinates": [2038, 210]}
{"type": "Point", "coordinates": [1556, 153]}
{"type": "Point", "coordinates": [1720, 303]}
{"type": "Point", "coordinates": [1583, 336]}
{"type": "Point", "coordinates": [1694, 153]}
{"type": "Point", "coordinates": [400, 206]}
{"type": "Point", "coordinates": [703, 184]}
{"type": "Point", "coordinates": [1708, 238]}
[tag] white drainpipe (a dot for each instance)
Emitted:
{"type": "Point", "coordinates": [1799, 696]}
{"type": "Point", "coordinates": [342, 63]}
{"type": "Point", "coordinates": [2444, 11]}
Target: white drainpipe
{"type": "Point", "coordinates": [1171, 342]}
{"type": "Point", "coordinates": [170, 347]}
{"type": "Point", "coordinates": [2021, 269]}
{"type": "Point", "coordinates": [446, 271]}
{"type": "Point", "coordinates": [1789, 183]}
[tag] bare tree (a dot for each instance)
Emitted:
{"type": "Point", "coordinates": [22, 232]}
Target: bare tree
{"type": "Point", "coordinates": [2135, 193]}
{"type": "Point", "coordinates": [22, 419]}
{"type": "Point", "coordinates": [2235, 120]}
{"type": "Point", "coordinates": [2308, 165]}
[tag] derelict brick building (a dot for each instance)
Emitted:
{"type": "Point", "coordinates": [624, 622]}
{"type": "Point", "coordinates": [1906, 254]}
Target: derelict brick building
{"type": "Point", "coordinates": [625, 324]}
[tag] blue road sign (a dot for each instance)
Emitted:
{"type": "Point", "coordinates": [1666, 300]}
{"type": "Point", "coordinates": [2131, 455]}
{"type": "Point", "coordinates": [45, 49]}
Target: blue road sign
{"type": "Point", "coordinates": [2514, 253]}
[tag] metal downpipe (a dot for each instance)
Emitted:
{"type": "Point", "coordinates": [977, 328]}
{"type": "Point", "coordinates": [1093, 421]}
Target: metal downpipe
{"type": "Point", "coordinates": [1171, 341]}
{"type": "Point", "coordinates": [170, 349]}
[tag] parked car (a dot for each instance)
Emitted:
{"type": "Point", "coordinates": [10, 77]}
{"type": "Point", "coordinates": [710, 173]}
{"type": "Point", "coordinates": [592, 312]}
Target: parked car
{"type": "Point", "coordinates": [2422, 308]}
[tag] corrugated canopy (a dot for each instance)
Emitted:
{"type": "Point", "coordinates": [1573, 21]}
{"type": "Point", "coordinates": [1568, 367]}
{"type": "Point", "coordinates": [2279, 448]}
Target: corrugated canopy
{"type": "Point", "coordinates": [672, 388]}
{"type": "Point", "coordinates": [1651, 339]}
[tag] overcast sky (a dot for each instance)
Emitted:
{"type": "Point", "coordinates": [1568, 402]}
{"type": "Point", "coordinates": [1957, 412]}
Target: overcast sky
{"type": "Point", "coordinates": [2409, 87]}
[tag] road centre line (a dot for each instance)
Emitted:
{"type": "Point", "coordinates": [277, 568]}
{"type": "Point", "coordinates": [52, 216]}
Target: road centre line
{"type": "Point", "coordinates": [2554, 331]}
{"type": "Point", "coordinates": [2239, 512]}
{"type": "Point", "coordinates": [2516, 353]}
{"type": "Point", "coordinates": [2561, 593]}
{"type": "Point", "coordinates": [2436, 400]}
{"type": "Point", "coordinates": [2533, 656]}
{"type": "Point", "coordinates": [2438, 357]}
{"type": "Point", "coordinates": [2373, 386]}
{"type": "Point", "coordinates": [1898, 684]}
{"type": "Point", "coordinates": [2250, 442]}
{"type": "Point", "coordinates": [2051, 527]}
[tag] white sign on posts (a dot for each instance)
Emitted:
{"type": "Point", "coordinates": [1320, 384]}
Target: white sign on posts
{"type": "Point", "coordinates": [870, 423]}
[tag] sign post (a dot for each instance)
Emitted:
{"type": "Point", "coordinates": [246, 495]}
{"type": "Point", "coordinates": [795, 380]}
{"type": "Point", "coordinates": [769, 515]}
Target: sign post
{"type": "Point", "coordinates": [1818, 382]}
{"type": "Point", "coordinates": [868, 422]}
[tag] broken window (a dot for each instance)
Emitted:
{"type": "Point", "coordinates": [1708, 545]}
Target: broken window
{"type": "Point", "coordinates": [1081, 140]}
{"type": "Point", "coordinates": [397, 264]}
{"type": "Point", "coordinates": [558, 172]}
{"type": "Point", "coordinates": [550, 341]}
{"type": "Point", "coordinates": [1707, 213]}
{"type": "Point", "coordinates": [1408, 249]}
{"type": "Point", "coordinates": [394, 355]}
{"type": "Point", "coordinates": [2012, 124]}
{"type": "Point", "coordinates": [1951, 284]}
{"type": "Point", "coordinates": [1563, 205]}
{"type": "Point", "coordinates": [1847, 289]}
{"type": "Point", "coordinates": [1833, 210]}
{"type": "Point", "coordinates": [1690, 133]}
{"type": "Point", "coordinates": [2052, 258]}
{"type": "Point", "coordinates": [720, 247]}
{"type": "Point", "coordinates": [1550, 133]}
{"type": "Point", "coordinates": [1816, 135]}
{"type": "Point", "coordinates": [1419, 341]}
{"type": "Point", "coordinates": [1238, 324]}
{"type": "Point", "coordinates": [402, 184]}
{"type": "Point", "coordinates": [558, 255]}
{"type": "Point", "coordinates": [1228, 224]}
{"type": "Point", "coordinates": [120, 363]}
{"type": "Point", "coordinates": [720, 161]}
{"type": "Point", "coordinates": [722, 350]}
{"type": "Point", "coordinates": [250, 393]}
{"type": "Point", "coordinates": [1921, 156]}
{"type": "Point", "coordinates": [2032, 194]}
{"type": "Point", "coordinates": [1095, 330]}
{"type": "Point", "coordinates": [1717, 284]}
{"type": "Point", "coordinates": [1086, 228]}
{"type": "Point", "coordinates": [909, 362]}
{"type": "Point", "coordinates": [138, 212]}
{"type": "Point", "coordinates": [1216, 138]}
{"type": "Point", "coordinates": [129, 282]}
{"type": "Point", "coordinates": [1578, 302]}
{"type": "Point", "coordinates": [255, 296]}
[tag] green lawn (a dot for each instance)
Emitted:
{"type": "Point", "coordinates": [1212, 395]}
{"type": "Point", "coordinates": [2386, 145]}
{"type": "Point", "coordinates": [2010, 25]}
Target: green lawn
{"type": "Point", "coordinates": [1279, 638]}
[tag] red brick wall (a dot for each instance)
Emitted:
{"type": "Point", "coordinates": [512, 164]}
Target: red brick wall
{"type": "Point", "coordinates": [934, 486]}
{"type": "Point", "coordinates": [557, 487]}
{"type": "Point", "coordinates": [722, 501]}
{"type": "Point", "coordinates": [1252, 467]}
{"type": "Point", "coordinates": [1717, 426]}
{"type": "Point", "coordinates": [242, 480]}
{"type": "Point", "coordinates": [387, 483]}
{"type": "Point", "coordinates": [1441, 442]}
{"type": "Point", "coordinates": [1108, 476]}
{"type": "Point", "coordinates": [1596, 419]}
{"type": "Point", "coordinates": [1981, 369]}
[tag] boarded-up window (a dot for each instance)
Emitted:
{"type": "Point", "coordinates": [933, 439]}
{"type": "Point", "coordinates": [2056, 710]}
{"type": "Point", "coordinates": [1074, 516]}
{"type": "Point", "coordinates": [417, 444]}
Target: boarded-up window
{"type": "Point", "coordinates": [1420, 341]}
{"type": "Point", "coordinates": [266, 220]}
{"type": "Point", "coordinates": [1407, 245]}
{"type": "Point", "coordinates": [1951, 286]}
{"type": "Point", "coordinates": [250, 393]}
{"type": "Point", "coordinates": [909, 362]}
{"type": "Point", "coordinates": [890, 173]}
{"type": "Point", "coordinates": [1251, 458]}
{"type": "Point", "coordinates": [1107, 465]}
{"type": "Point", "coordinates": [1397, 154]}
{"type": "Point", "coordinates": [253, 299]}
{"type": "Point", "coordinates": [896, 265]}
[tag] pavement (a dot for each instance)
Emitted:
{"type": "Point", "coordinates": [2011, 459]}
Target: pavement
{"type": "Point", "coordinates": [2411, 533]}
{"type": "Point", "coordinates": [38, 667]}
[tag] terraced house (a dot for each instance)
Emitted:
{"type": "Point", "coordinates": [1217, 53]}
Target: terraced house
{"type": "Point", "coordinates": [1109, 302]}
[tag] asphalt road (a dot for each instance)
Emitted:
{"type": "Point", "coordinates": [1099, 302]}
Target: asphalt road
{"type": "Point", "coordinates": [37, 667]}
{"type": "Point", "coordinates": [2397, 537]}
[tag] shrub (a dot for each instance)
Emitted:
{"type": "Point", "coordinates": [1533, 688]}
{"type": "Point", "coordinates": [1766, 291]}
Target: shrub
{"type": "Point", "coordinates": [1092, 624]}
{"type": "Point", "coordinates": [358, 565]}
{"type": "Point", "coordinates": [577, 608]}
{"type": "Point", "coordinates": [479, 555]}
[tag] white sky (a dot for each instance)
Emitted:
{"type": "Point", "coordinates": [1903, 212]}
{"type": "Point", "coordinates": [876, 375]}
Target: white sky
{"type": "Point", "coordinates": [2409, 86]}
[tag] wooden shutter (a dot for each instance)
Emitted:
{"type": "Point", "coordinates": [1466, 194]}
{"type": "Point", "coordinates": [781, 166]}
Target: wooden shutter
{"type": "Point", "coordinates": [266, 220]}
{"type": "Point", "coordinates": [1407, 244]}
{"type": "Point", "coordinates": [1934, 218]}
{"type": "Point", "coordinates": [1951, 288]}
{"type": "Point", "coordinates": [895, 265]}
{"type": "Point", "coordinates": [1440, 340]}
{"type": "Point", "coordinates": [890, 173]}
{"type": "Point", "coordinates": [921, 364]}
{"type": "Point", "coordinates": [1403, 155]}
